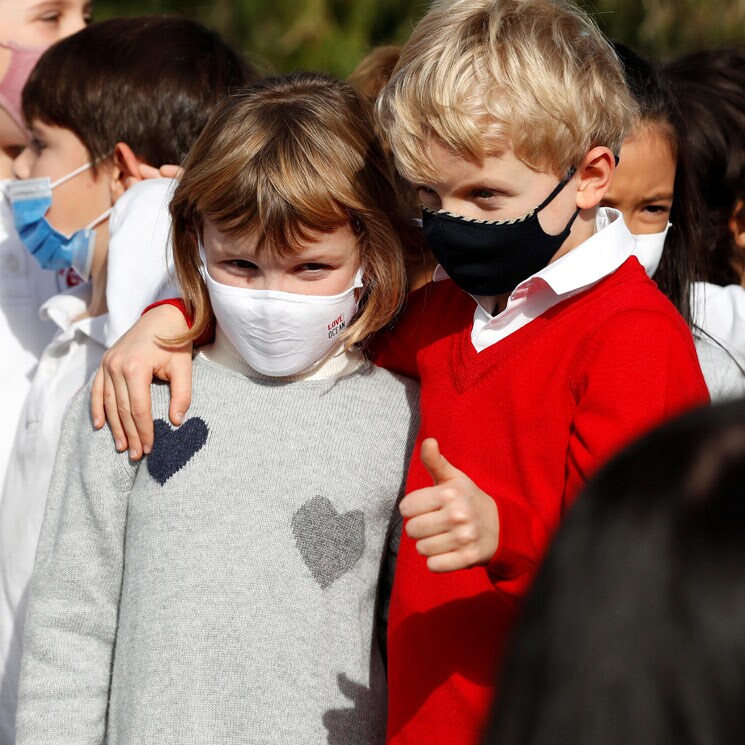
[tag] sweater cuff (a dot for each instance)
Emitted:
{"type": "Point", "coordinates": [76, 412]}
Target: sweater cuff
{"type": "Point", "coordinates": [176, 302]}
{"type": "Point", "coordinates": [207, 336]}
{"type": "Point", "coordinates": [523, 539]}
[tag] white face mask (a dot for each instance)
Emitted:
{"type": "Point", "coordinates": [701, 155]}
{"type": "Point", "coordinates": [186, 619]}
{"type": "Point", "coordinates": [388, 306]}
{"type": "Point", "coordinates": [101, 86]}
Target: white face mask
{"type": "Point", "coordinates": [281, 333]}
{"type": "Point", "coordinates": [649, 249]}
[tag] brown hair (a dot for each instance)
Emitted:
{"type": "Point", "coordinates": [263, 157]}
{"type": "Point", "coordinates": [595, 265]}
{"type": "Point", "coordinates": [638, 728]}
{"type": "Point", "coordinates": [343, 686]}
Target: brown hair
{"type": "Point", "coordinates": [150, 81]}
{"type": "Point", "coordinates": [291, 155]}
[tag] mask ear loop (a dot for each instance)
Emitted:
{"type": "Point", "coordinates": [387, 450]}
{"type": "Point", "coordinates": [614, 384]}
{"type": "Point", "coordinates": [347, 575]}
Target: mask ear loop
{"type": "Point", "coordinates": [558, 188]}
{"type": "Point", "coordinates": [72, 175]}
{"type": "Point", "coordinates": [101, 218]}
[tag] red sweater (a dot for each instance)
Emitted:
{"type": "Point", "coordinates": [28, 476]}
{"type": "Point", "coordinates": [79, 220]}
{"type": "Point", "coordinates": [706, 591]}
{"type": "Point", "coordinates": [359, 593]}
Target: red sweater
{"type": "Point", "coordinates": [529, 420]}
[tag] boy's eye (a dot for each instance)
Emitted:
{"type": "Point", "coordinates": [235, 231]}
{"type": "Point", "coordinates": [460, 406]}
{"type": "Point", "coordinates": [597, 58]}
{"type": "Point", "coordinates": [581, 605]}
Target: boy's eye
{"type": "Point", "coordinates": [428, 197]}
{"type": "Point", "coordinates": [36, 145]}
{"type": "Point", "coordinates": [51, 16]}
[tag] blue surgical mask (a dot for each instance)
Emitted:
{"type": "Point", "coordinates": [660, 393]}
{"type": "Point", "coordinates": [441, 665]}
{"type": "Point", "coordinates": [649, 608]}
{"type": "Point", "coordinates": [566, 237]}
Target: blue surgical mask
{"type": "Point", "coordinates": [30, 200]}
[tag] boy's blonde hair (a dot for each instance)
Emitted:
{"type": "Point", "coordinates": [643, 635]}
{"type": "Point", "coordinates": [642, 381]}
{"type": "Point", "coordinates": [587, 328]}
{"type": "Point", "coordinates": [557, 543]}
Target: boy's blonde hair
{"type": "Point", "coordinates": [483, 76]}
{"type": "Point", "coordinates": [289, 156]}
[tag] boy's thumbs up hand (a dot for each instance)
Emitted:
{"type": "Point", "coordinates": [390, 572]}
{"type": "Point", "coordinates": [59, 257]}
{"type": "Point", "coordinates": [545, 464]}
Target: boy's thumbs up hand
{"type": "Point", "coordinates": [454, 523]}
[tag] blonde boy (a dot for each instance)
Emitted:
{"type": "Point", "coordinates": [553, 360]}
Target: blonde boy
{"type": "Point", "coordinates": [541, 346]}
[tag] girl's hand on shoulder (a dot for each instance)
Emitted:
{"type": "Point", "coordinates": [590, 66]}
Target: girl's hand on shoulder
{"type": "Point", "coordinates": [121, 388]}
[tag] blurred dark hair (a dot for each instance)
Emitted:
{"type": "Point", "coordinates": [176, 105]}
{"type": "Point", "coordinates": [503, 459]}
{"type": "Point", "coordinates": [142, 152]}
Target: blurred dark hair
{"type": "Point", "coordinates": [634, 632]}
{"type": "Point", "coordinates": [151, 82]}
{"type": "Point", "coordinates": [658, 108]}
{"type": "Point", "coordinates": [711, 86]}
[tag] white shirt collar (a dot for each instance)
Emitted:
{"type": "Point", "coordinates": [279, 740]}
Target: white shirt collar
{"type": "Point", "coordinates": [65, 309]}
{"type": "Point", "coordinates": [597, 257]}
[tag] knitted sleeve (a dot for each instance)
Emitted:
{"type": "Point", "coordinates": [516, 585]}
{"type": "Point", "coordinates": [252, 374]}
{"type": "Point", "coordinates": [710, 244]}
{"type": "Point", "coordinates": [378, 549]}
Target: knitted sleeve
{"type": "Point", "coordinates": [639, 369]}
{"type": "Point", "coordinates": [74, 594]}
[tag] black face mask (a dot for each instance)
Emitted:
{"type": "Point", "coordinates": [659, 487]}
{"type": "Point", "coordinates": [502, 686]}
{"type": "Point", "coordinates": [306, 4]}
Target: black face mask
{"type": "Point", "coordinates": [492, 257]}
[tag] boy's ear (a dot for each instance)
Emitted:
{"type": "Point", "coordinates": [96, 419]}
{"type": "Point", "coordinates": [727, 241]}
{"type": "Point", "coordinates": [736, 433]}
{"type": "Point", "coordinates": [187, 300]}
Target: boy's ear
{"type": "Point", "coordinates": [595, 174]}
{"type": "Point", "coordinates": [126, 170]}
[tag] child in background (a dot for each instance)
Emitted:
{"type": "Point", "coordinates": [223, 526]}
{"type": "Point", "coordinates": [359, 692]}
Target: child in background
{"type": "Point", "coordinates": [545, 350]}
{"type": "Point", "coordinates": [711, 88]}
{"type": "Point", "coordinates": [633, 632]}
{"type": "Point", "coordinates": [235, 571]}
{"type": "Point", "coordinates": [96, 112]}
{"type": "Point", "coordinates": [652, 185]}
{"type": "Point", "coordinates": [374, 70]}
{"type": "Point", "coordinates": [27, 28]}
{"type": "Point", "coordinates": [656, 191]}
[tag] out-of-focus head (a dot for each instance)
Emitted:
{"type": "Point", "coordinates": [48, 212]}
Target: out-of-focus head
{"type": "Point", "coordinates": [374, 70]}
{"type": "Point", "coordinates": [150, 81]}
{"type": "Point", "coordinates": [635, 628]}
{"type": "Point", "coordinates": [27, 27]}
{"type": "Point", "coordinates": [710, 85]}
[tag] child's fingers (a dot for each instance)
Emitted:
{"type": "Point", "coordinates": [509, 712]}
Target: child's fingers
{"type": "Point", "coordinates": [124, 410]}
{"type": "Point", "coordinates": [139, 412]}
{"type": "Point", "coordinates": [440, 469]}
{"type": "Point", "coordinates": [170, 171]}
{"type": "Point", "coordinates": [420, 502]}
{"type": "Point", "coordinates": [427, 525]}
{"type": "Point", "coordinates": [98, 413]}
{"type": "Point", "coordinates": [179, 376]}
{"type": "Point", "coordinates": [449, 562]}
{"type": "Point", "coordinates": [436, 545]}
{"type": "Point", "coordinates": [112, 412]}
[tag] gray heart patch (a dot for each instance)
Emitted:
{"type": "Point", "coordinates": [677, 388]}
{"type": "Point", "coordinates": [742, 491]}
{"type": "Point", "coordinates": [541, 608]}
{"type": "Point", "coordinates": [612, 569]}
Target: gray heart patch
{"type": "Point", "coordinates": [329, 542]}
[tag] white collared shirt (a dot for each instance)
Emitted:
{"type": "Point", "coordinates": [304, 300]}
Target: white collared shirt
{"type": "Point", "coordinates": [584, 266]}
{"type": "Point", "coordinates": [24, 286]}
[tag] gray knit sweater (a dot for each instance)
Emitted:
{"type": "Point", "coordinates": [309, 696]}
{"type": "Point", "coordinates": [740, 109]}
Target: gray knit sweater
{"type": "Point", "coordinates": [224, 590]}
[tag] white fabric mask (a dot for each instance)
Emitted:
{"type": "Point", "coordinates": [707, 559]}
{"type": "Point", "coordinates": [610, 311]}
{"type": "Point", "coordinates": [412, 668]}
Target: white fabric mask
{"type": "Point", "coordinates": [649, 249]}
{"type": "Point", "coordinates": [281, 333]}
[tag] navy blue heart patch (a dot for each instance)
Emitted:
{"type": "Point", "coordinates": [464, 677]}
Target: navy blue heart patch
{"type": "Point", "coordinates": [174, 448]}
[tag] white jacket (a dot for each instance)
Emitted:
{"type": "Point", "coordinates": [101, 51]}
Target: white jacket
{"type": "Point", "coordinates": [719, 331]}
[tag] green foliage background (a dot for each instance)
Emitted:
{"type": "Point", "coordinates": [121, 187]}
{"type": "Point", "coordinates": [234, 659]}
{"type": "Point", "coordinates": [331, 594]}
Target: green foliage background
{"type": "Point", "coordinates": [333, 35]}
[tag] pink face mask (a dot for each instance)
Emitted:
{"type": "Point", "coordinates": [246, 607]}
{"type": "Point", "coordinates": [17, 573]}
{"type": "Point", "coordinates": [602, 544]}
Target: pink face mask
{"type": "Point", "coordinates": [22, 62]}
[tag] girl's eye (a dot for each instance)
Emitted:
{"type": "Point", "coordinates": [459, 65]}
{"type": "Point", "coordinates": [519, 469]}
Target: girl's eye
{"type": "Point", "coordinates": [657, 209]}
{"type": "Point", "coordinates": [241, 264]}
{"type": "Point", "coordinates": [51, 17]}
{"type": "Point", "coordinates": [314, 268]}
